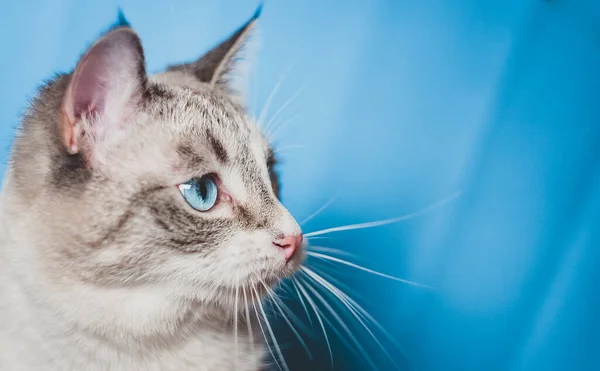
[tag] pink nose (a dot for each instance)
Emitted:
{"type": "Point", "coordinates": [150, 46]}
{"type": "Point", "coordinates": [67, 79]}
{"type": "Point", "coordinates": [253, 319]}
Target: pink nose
{"type": "Point", "coordinates": [289, 245]}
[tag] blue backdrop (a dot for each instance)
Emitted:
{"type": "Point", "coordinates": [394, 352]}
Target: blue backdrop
{"type": "Point", "coordinates": [402, 104]}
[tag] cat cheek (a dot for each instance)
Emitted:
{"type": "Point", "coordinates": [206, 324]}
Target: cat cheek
{"type": "Point", "coordinates": [221, 210]}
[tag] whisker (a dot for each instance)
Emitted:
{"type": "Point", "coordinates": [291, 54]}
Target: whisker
{"type": "Point", "coordinates": [276, 297]}
{"type": "Point", "coordinates": [248, 320]}
{"type": "Point", "coordinates": [254, 296]}
{"type": "Point", "coordinates": [291, 315]}
{"type": "Point", "coordinates": [341, 336]}
{"type": "Point", "coordinates": [341, 286]}
{"type": "Point", "coordinates": [265, 109]}
{"type": "Point", "coordinates": [301, 301]}
{"type": "Point", "coordinates": [341, 323]}
{"type": "Point", "coordinates": [268, 326]}
{"type": "Point", "coordinates": [331, 250]}
{"type": "Point", "coordinates": [316, 310]}
{"type": "Point", "coordinates": [275, 302]}
{"type": "Point", "coordinates": [255, 88]}
{"type": "Point", "coordinates": [282, 108]}
{"type": "Point", "coordinates": [321, 209]}
{"type": "Point", "coordinates": [273, 134]}
{"type": "Point", "coordinates": [284, 155]}
{"type": "Point", "coordinates": [286, 151]}
{"type": "Point", "coordinates": [352, 307]}
{"type": "Point", "coordinates": [350, 264]}
{"type": "Point", "coordinates": [235, 321]}
{"type": "Point", "coordinates": [279, 150]}
{"type": "Point", "coordinates": [285, 293]}
{"type": "Point", "coordinates": [382, 222]}
{"type": "Point", "coordinates": [318, 238]}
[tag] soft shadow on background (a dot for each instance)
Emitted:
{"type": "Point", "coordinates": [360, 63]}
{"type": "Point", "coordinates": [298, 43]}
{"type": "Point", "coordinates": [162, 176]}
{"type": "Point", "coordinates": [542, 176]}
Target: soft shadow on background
{"type": "Point", "coordinates": [402, 104]}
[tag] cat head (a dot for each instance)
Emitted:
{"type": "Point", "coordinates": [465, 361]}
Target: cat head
{"type": "Point", "coordinates": [163, 181]}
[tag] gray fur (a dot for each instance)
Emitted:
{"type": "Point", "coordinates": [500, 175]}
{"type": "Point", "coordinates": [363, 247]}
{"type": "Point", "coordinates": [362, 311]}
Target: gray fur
{"type": "Point", "coordinates": [103, 265]}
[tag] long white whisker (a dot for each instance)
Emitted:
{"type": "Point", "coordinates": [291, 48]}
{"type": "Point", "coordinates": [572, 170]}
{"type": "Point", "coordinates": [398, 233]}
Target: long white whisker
{"type": "Point", "coordinates": [318, 238]}
{"type": "Point", "coordinates": [281, 305]}
{"type": "Point", "coordinates": [341, 261]}
{"type": "Point", "coordinates": [257, 299]}
{"type": "Point", "coordinates": [302, 301]}
{"type": "Point", "coordinates": [350, 305]}
{"type": "Point", "coordinates": [268, 326]}
{"type": "Point", "coordinates": [343, 296]}
{"type": "Point", "coordinates": [283, 107]}
{"type": "Point", "coordinates": [285, 293]}
{"type": "Point", "coordinates": [341, 323]}
{"type": "Point", "coordinates": [321, 209]}
{"type": "Point", "coordinates": [284, 154]}
{"type": "Point", "coordinates": [248, 320]}
{"type": "Point", "coordinates": [316, 310]}
{"type": "Point", "coordinates": [382, 222]}
{"type": "Point", "coordinates": [341, 286]}
{"type": "Point", "coordinates": [273, 134]}
{"type": "Point", "coordinates": [254, 90]}
{"type": "Point", "coordinates": [291, 315]}
{"type": "Point", "coordinates": [324, 249]}
{"type": "Point", "coordinates": [265, 109]}
{"type": "Point", "coordinates": [280, 150]}
{"type": "Point", "coordinates": [341, 336]}
{"type": "Point", "coordinates": [275, 300]}
{"type": "Point", "coordinates": [235, 320]}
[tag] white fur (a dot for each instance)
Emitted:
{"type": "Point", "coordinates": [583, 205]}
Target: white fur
{"type": "Point", "coordinates": [56, 327]}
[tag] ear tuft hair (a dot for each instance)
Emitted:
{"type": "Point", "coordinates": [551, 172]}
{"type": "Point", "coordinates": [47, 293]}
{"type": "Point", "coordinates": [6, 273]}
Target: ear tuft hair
{"type": "Point", "coordinates": [121, 21]}
{"type": "Point", "coordinates": [258, 11]}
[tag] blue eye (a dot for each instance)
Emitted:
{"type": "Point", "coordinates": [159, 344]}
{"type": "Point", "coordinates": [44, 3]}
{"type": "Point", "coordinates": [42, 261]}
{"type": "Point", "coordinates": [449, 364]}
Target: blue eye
{"type": "Point", "coordinates": [200, 193]}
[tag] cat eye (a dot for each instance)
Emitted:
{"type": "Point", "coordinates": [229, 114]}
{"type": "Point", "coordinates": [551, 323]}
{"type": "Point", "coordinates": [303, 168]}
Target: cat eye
{"type": "Point", "coordinates": [200, 193]}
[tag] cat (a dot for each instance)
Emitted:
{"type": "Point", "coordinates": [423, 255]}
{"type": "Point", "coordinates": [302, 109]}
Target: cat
{"type": "Point", "coordinates": [140, 217]}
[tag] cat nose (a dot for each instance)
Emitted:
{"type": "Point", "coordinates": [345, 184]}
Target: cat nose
{"type": "Point", "coordinates": [289, 245]}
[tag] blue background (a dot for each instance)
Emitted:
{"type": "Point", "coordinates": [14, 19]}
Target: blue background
{"type": "Point", "coordinates": [404, 104]}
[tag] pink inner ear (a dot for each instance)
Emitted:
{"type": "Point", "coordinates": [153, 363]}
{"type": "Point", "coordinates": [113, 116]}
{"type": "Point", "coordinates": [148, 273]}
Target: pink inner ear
{"type": "Point", "coordinates": [106, 84]}
{"type": "Point", "coordinates": [107, 72]}
{"type": "Point", "coordinates": [89, 91]}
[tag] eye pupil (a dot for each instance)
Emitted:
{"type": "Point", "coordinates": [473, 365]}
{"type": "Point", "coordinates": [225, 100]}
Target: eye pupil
{"type": "Point", "coordinates": [203, 189]}
{"type": "Point", "coordinates": [200, 193]}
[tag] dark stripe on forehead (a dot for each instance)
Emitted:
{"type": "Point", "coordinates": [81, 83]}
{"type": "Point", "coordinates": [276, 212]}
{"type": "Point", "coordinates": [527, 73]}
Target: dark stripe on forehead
{"type": "Point", "coordinates": [154, 92]}
{"type": "Point", "coordinates": [193, 159]}
{"type": "Point", "coordinates": [217, 147]}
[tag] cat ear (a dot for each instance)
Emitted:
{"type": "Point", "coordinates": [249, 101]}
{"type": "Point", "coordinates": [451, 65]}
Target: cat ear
{"type": "Point", "coordinates": [105, 88]}
{"type": "Point", "coordinates": [121, 20]}
{"type": "Point", "coordinates": [221, 66]}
